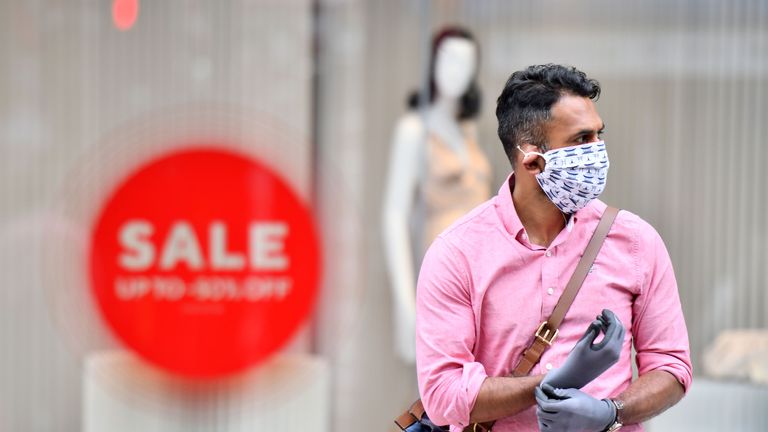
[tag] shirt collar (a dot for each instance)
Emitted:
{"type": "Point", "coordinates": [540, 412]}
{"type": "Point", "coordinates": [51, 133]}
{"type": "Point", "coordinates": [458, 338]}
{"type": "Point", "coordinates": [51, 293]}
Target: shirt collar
{"type": "Point", "coordinates": [506, 208]}
{"type": "Point", "coordinates": [511, 221]}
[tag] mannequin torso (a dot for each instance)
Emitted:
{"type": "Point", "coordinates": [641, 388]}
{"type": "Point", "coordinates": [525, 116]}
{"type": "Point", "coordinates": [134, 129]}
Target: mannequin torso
{"type": "Point", "coordinates": [455, 180]}
{"type": "Point", "coordinates": [437, 156]}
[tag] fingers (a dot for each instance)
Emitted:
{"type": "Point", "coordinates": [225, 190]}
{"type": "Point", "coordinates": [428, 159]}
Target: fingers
{"type": "Point", "coordinates": [611, 318]}
{"type": "Point", "coordinates": [549, 391]}
{"type": "Point", "coordinates": [617, 323]}
{"type": "Point", "coordinates": [592, 332]}
{"type": "Point", "coordinates": [541, 397]}
{"type": "Point", "coordinates": [565, 393]}
{"type": "Point", "coordinates": [544, 401]}
{"type": "Point", "coordinates": [614, 329]}
{"type": "Point", "coordinates": [603, 320]}
{"type": "Point", "coordinates": [545, 416]}
{"type": "Point", "coordinates": [610, 332]}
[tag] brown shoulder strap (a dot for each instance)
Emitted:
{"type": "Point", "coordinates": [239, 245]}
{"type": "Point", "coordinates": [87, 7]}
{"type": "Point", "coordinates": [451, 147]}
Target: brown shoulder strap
{"type": "Point", "coordinates": [547, 331]}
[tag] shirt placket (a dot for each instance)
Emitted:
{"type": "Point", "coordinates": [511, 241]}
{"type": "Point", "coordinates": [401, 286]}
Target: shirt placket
{"type": "Point", "coordinates": [550, 291]}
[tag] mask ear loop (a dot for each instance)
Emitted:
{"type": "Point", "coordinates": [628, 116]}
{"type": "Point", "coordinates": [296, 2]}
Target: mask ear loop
{"type": "Point", "coordinates": [533, 152]}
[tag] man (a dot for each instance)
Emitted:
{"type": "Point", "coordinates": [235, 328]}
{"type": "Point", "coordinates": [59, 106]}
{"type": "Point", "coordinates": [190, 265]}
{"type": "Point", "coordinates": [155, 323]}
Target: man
{"type": "Point", "coordinates": [490, 280]}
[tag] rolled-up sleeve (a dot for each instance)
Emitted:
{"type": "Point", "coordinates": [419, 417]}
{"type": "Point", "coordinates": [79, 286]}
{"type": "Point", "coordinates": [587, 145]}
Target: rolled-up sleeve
{"type": "Point", "coordinates": [659, 330]}
{"type": "Point", "coordinates": [449, 377]}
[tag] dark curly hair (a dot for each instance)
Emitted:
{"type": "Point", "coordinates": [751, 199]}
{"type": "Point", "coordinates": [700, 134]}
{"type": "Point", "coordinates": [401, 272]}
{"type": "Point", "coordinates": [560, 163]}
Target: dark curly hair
{"type": "Point", "coordinates": [525, 104]}
{"type": "Point", "coordinates": [469, 104]}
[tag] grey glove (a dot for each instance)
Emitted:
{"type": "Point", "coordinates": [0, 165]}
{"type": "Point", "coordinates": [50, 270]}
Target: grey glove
{"type": "Point", "coordinates": [566, 410]}
{"type": "Point", "coordinates": [588, 360]}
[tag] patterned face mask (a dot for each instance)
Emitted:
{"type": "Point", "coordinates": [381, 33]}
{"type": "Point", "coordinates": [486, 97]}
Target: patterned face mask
{"type": "Point", "coordinates": [573, 176]}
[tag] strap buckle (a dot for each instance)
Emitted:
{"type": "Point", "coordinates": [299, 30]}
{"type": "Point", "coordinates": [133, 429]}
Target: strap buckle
{"type": "Point", "coordinates": [545, 334]}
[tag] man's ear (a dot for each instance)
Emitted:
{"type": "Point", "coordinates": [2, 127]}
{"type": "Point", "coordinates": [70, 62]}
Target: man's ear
{"type": "Point", "coordinates": [531, 162]}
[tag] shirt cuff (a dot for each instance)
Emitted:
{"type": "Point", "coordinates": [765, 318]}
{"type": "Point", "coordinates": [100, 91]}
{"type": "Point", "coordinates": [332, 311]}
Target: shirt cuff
{"type": "Point", "coordinates": [473, 376]}
{"type": "Point", "coordinates": [681, 370]}
{"type": "Point", "coordinates": [452, 401]}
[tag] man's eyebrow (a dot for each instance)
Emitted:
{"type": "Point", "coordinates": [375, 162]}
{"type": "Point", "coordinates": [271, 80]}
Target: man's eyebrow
{"type": "Point", "coordinates": [588, 131]}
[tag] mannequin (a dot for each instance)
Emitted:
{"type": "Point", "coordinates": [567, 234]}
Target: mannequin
{"type": "Point", "coordinates": [435, 156]}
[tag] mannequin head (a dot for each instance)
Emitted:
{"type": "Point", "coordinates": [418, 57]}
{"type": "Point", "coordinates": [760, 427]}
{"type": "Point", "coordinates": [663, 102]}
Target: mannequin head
{"type": "Point", "coordinates": [453, 68]}
{"type": "Point", "coordinates": [455, 63]}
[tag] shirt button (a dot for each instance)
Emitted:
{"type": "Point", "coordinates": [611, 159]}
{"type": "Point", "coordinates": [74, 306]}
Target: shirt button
{"type": "Point", "coordinates": [549, 253]}
{"type": "Point", "coordinates": [550, 290]}
{"type": "Point", "coordinates": [548, 366]}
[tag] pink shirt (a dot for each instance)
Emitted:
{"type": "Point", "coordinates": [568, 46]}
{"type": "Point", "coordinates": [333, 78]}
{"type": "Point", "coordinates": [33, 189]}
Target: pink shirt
{"type": "Point", "coordinates": [484, 289]}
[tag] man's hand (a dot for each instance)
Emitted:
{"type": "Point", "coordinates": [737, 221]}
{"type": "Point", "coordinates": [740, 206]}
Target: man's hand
{"type": "Point", "coordinates": [588, 360]}
{"type": "Point", "coordinates": [566, 410]}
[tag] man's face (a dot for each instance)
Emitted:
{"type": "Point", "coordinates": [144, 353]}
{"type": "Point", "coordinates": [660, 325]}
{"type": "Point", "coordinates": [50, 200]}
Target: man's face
{"type": "Point", "coordinates": [574, 121]}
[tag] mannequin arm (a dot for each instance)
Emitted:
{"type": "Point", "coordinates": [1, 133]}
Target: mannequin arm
{"type": "Point", "coordinates": [401, 182]}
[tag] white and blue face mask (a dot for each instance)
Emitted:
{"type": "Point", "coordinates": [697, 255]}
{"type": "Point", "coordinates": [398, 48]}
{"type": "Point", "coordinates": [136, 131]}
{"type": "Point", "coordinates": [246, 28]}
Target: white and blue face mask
{"type": "Point", "coordinates": [573, 176]}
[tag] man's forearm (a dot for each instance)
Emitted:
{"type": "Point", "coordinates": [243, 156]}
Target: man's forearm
{"type": "Point", "coordinates": [650, 395]}
{"type": "Point", "coordinates": [501, 397]}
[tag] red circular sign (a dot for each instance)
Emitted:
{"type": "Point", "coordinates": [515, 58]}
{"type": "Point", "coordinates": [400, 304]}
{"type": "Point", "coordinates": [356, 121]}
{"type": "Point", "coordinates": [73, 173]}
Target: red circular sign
{"type": "Point", "coordinates": [204, 262]}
